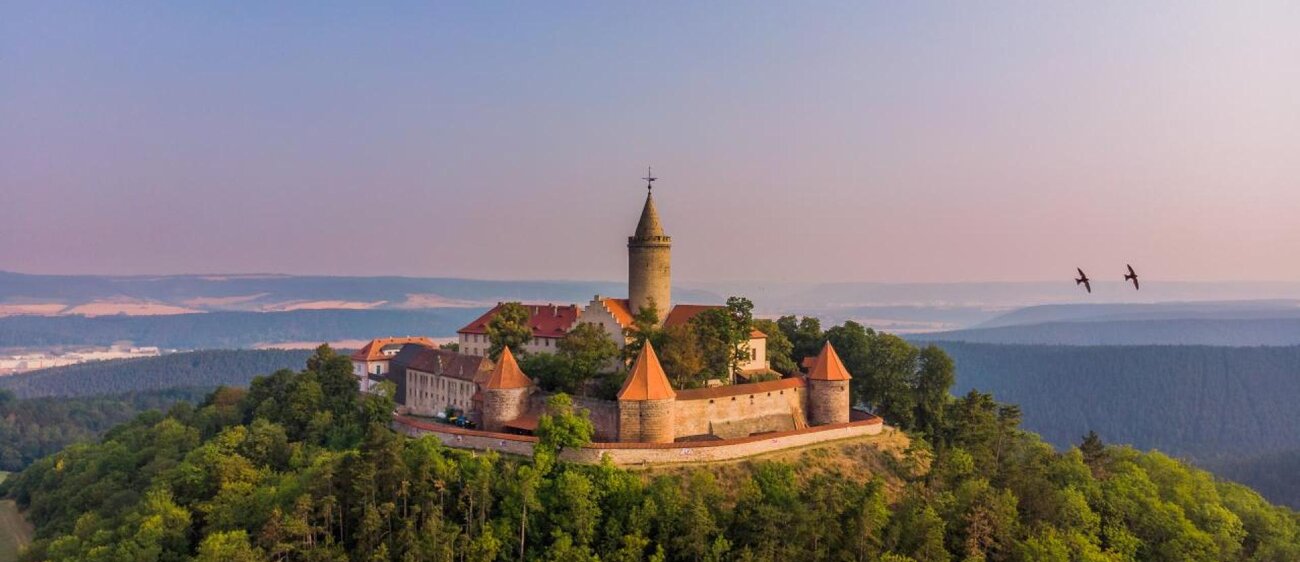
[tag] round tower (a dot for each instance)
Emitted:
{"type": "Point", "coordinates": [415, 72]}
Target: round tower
{"type": "Point", "coordinates": [828, 389]}
{"type": "Point", "coordinates": [649, 263]}
{"type": "Point", "coordinates": [647, 403]}
{"type": "Point", "coordinates": [505, 393]}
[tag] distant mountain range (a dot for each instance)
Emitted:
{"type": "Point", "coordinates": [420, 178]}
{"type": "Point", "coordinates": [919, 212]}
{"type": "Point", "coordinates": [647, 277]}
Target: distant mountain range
{"type": "Point", "coordinates": [94, 295]}
{"type": "Point", "coordinates": [1234, 323]}
{"type": "Point", "coordinates": [895, 307]}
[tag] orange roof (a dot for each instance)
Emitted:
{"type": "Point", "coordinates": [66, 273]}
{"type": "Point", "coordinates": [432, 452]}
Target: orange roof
{"type": "Point", "coordinates": [647, 381]}
{"type": "Point", "coordinates": [546, 320]}
{"type": "Point", "coordinates": [374, 351]}
{"type": "Point", "coordinates": [620, 310]}
{"type": "Point", "coordinates": [828, 366]}
{"type": "Point", "coordinates": [506, 374]}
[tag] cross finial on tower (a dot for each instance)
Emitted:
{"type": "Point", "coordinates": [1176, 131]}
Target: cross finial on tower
{"type": "Point", "coordinates": [649, 179]}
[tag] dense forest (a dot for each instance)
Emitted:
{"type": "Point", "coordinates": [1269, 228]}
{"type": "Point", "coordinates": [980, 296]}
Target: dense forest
{"type": "Point", "coordinates": [299, 467]}
{"type": "Point", "coordinates": [1203, 402]}
{"type": "Point", "coordinates": [220, 330]}
{"type": "Point", "coordinates": [36, 427]}
{"type": "Point", "coordinates": [193, 369]}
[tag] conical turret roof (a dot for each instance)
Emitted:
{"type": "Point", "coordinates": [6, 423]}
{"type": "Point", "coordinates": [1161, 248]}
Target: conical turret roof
{"type": "Point", "coordinates": [506, 374]}
{"type": "Point", "coordinates": [828, 366]}
{"type": "Point", "coordinates": [649, 225]}
{"type": "Point", "coordinates": [647, 380]}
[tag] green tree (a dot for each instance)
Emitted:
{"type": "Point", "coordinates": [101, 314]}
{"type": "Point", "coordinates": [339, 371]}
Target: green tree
{"type": "Point", "coordinates": [805, 335]}
{"type": "Point", "coordinates": [229, 546]}
{"type": "Point", "coordinates": [645, 327]}
{"type": "Point", "coordinates": [589, 351]}
{"type": "Point", "coordinates": [680, 356]}
{"type": "Point", "coordinates": [509, 328]}
{"type": "Point", "coordinates": [934, 377]}
{"type": "Point", "coordinates": [779, 348]}
{"type": "Point", "coordinates": [561, 427]}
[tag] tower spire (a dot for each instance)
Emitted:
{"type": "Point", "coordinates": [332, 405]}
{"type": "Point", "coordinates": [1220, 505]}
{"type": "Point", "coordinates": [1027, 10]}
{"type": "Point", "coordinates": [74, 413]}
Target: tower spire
{"type": "Point", "coordinates": [649, 180]}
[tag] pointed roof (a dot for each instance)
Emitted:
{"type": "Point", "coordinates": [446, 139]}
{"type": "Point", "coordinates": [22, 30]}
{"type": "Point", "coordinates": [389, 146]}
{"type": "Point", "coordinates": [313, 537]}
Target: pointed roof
{"type": "Point", "coordinates": [647, 380]}
{"type": "Point", "coordinates": [506, 374]}
{"type": "Point", "coordinates": [828, 366]}
{"type": "Point", "coordinates": [648, 226]}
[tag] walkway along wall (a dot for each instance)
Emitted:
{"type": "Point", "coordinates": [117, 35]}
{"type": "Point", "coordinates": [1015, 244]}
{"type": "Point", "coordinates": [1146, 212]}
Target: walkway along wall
{"type": "Point", "coordinates": [630, 454]}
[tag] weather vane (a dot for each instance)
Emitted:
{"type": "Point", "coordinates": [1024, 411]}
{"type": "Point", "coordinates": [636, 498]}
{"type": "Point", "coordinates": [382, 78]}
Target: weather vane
{"type": "Point", "coordinates": [649, 179]}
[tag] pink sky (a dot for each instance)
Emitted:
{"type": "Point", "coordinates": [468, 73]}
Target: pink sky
{"type": "Point", "coordinates": [882, 143]}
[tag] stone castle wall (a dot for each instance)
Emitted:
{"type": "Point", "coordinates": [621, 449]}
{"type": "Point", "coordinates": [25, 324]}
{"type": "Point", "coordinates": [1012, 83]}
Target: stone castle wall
{"type": "Point", "coordinates": [649, 274]}
{"type": "Point", "coordinates": [741, 415]}
{"type": "Point", "coordinates": [503, 405]}
{"type": "Point", "coordinates": [632, 454]}
{"type": "Point", "coordinates": [828, 402]}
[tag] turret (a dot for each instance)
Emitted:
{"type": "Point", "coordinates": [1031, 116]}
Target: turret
{"type": "Point", "coordinates": [646, 402]}
{"type": "Point", "coordinates": [649, 263]}
{"type": "Point", "coordinates": [505, 393]}
{"type": "Point", "coordinates": [828, 389]}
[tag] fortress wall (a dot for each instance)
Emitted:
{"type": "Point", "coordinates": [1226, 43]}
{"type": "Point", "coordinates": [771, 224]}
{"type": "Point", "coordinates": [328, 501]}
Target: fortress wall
{"type": "Point", "coordinates": [740, 415]}
{"type": "Point", "coordinates": [632, 454]}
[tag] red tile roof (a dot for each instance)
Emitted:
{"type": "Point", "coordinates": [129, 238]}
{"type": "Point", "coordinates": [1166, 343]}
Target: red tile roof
{"type": "Point", "coordinates": [647, 381]}
{"type": "Point", "coordinates": [546, 320]}
{"type": "Point", "coordinates": [374, 351]}
{"type": "Point", "coordinates": [506, 374]}
{"type": "Point", "coordinates": [828, 366]}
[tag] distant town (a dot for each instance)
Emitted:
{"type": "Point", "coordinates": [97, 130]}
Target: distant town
{"type": "Point", "coordinates": [13, 363]}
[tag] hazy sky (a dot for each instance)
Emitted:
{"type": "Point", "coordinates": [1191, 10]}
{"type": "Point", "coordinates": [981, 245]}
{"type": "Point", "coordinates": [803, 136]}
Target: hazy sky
{"type": "Point", "coordinates": [796, 141]}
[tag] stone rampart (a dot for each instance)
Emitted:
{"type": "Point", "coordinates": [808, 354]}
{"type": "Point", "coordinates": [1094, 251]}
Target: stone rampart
{"type": "Point", "coordinates": [633, 454]}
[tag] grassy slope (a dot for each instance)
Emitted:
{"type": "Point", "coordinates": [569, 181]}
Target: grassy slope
{"type": "Point", "coordinates": [859, 458]}
{"type": "Point", "coordinates": [15, 532]}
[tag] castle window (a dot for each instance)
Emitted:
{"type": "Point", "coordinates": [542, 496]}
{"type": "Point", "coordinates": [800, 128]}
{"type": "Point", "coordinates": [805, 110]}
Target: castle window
{"type": "Point", "coordinates": [733, 398]}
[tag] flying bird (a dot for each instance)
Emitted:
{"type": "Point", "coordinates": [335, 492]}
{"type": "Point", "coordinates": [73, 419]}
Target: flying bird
{"type": "Point", "coordinates": [1083, 280]}
{"type": "Point", "coordinates": [1134, 277]}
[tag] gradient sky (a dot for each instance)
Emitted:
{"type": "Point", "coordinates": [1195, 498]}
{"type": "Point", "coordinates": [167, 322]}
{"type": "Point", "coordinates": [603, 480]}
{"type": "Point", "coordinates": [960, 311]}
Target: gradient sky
{"type": "Point", "coordinates": [819, 142]}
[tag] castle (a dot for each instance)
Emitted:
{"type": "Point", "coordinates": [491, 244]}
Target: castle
{"type": "Point", "coordinates": [504, 402]}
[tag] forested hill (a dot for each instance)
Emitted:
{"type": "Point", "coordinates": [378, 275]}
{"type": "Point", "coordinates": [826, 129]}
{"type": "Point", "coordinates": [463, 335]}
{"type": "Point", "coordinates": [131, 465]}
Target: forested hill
{"type": "Point", "coordinates": [243, 478]}
{"type": "Point", "coordinates": [33, 428]}
{"type": "Point", "coordinates": [215, 330]}
{"type": "Point", "coordinates": [194, 369]}
{"type": "Point", "coordinates": [1201, 401]}
{"type": "Point", "coordinates": [1182, 331]}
